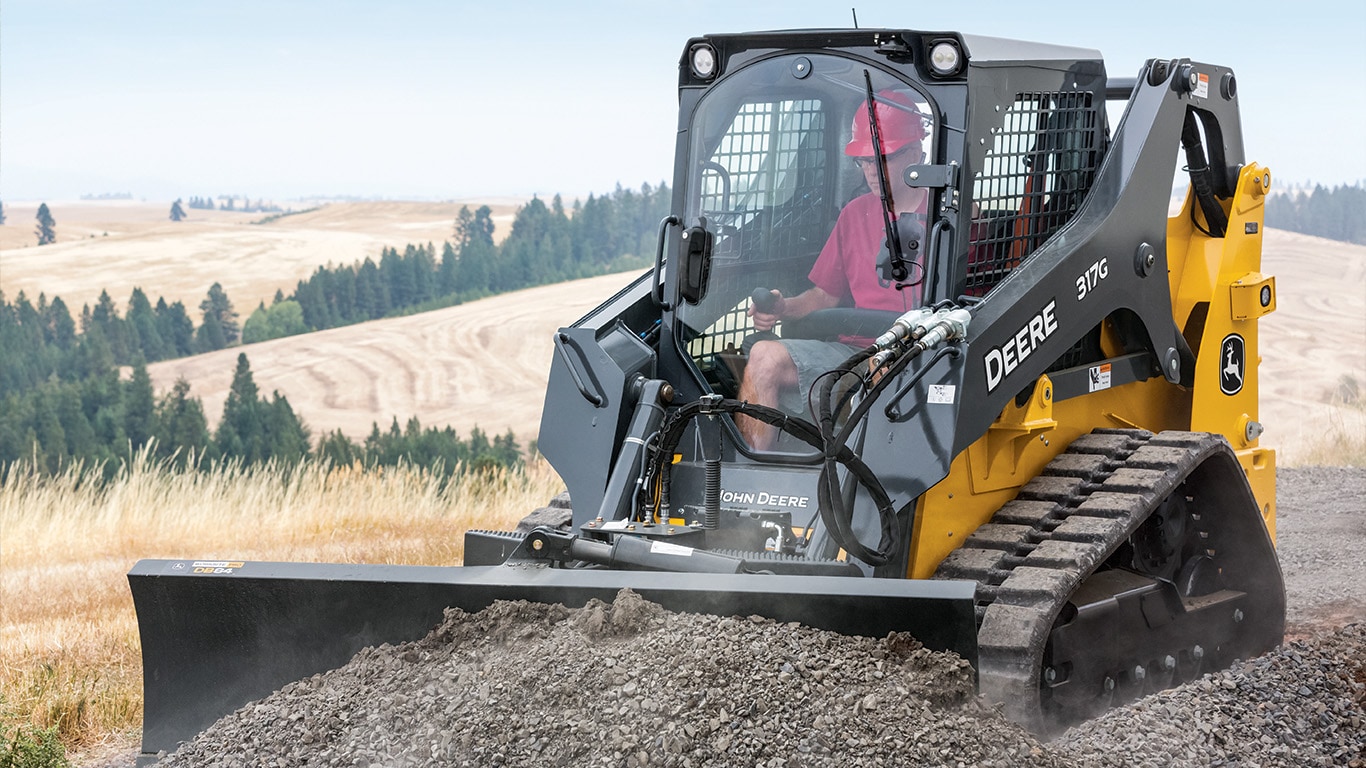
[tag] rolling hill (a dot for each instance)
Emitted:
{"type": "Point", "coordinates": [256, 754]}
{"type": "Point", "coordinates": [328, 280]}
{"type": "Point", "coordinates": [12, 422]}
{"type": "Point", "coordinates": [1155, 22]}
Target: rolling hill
{"type": "Point", "coordinates": [120, 245]}
{"type": "Point", "coordinates": [479, 364]}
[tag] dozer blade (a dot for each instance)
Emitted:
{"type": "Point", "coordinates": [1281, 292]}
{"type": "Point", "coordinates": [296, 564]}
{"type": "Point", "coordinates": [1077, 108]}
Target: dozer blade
{"type": "Point", "coordinates": [218, 635]}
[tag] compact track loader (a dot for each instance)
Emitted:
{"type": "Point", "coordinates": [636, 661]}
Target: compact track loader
{"type": "Point", "coordinates": [1046, 461]}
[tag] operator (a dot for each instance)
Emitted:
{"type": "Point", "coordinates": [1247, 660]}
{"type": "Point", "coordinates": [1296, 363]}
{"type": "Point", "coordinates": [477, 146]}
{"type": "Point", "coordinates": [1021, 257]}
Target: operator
{"type": "Point", "coordinates": [780, 372]}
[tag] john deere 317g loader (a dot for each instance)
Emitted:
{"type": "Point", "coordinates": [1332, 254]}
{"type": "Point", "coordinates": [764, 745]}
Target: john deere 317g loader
{"type": "Point", "coordinates": [1047, 460]}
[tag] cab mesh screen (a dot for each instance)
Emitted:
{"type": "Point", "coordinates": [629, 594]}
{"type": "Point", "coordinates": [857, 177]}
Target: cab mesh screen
{"type": "Point", "coordinates": [765, 174]}
{"type": "Point", "coordinates": [763, 192]}
{"type": "Point", "coordinates": [1043, 160]}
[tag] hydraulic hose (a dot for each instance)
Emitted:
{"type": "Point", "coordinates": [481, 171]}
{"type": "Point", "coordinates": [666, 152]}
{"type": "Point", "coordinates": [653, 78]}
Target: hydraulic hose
{"type": "Point", "coordinates": [1201, 183]}
{"type": "Point", "coordinates": [910, 336]}
{"type": "Point", "coordinates": [836, 517]}
{"type": "Point", "coordinates": [926, 331]}
{"type": "Point", "coordinates": [660, 467]}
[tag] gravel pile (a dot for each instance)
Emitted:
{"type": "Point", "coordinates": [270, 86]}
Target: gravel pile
{"type": "Point", "coordinates": [632, 685]}
{"type": "Point", "coordinates": [1299, 706]}
{"type": "Point", "coordinates": [626, 684]}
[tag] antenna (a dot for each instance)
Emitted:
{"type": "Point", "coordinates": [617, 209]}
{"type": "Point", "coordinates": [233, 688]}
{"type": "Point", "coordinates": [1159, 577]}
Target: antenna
{"type": "Point", "coordinates": [855, 12]}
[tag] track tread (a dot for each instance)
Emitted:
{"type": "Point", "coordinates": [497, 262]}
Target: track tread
{"type": "Point", "coordinates": [1042, 545]}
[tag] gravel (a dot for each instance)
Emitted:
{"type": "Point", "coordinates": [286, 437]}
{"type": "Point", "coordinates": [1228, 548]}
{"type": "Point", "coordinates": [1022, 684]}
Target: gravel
{"type": "Point", "coordinates": [1298, 706]}
{"type": "Point", "coordinates": [629, 684]}
{"type": "Point", "coordinates": [1321, 543]}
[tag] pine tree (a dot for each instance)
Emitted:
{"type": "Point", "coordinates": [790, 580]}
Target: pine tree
{"type": "Point", "coordinates": [209, 336]}
{"type": "Point", "coordinates": [338, 450]}
{"type": "Point", "coordinates": [177, 213]}
{"type": "Point", "coordinates": [286, 436]}
{"type": "Point", "coordinates": [60, 327]}
{"type": "Point", "coordinates": [175, 327]}
{"type": "Point", "coordinates": [105, 317]}
{"type": "Point", "coordinates": [505, 450]}
{"type": "Point", "coordinates": [93, 356]}
{"type": "Point", "coordinates": [217, 306]}
{"type": "Point", "coordinates": [474, 239]}
{"type": "Point", "coordinates": [397, 277]}
{"type": "Point", "coordinates": [241, 433]}
{"type": "Point", "coordinates": [139, 408]}
{"type": "Point", "coordinates": [49, 435]}
{"type": "Point", "coordinates": [182, 430]}
{"type": "Point", "coordinates": [143, 331]}
{"type": "Point", "coordinates": [372, 296]}
{"type": "Point", "coordinates": [82, 442]}
{"type": "Point", "coordinates": [47, 226]}
{"type": "Point", "coordinates": [446, 272]}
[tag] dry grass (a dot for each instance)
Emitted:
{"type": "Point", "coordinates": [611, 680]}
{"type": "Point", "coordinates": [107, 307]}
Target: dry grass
{"type": "Point", "coordinates": [1342, 443]}
{"type": "Point", "coordinates": [69, 649]}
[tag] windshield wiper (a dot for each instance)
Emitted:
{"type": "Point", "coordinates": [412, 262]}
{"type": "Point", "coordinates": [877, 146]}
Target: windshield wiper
{"type": "Point", "coordinates": [897, 262]}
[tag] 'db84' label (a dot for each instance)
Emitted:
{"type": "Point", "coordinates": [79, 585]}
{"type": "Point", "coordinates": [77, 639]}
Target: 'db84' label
{"type": "Point", "coordinates": [216, 566]}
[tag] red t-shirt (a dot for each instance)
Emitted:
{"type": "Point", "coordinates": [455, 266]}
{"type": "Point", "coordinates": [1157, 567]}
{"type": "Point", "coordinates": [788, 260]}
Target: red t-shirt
{"type": "Point", "coordinates": [847, 266]}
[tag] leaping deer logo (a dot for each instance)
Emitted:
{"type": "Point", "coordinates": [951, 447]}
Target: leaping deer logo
{"type": "Point", "coordinates": [1231, 375]}
{"type": "Point", "coordinates": [1231, 367]}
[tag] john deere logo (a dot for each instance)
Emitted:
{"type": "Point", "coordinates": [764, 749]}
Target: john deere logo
{"type": "Point", "coordinates": [1231, 367]}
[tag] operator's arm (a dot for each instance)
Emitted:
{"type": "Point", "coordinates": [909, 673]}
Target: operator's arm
{"type": "Point", "coordinates": [791, 308]}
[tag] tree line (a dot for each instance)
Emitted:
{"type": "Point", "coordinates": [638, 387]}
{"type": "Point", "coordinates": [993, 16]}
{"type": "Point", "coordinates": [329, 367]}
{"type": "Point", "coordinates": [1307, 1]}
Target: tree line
{"type": "Point", "coordinates": [62, 399]}
{"type": "Point", "coordinates": [229, 203]}
{"type": "Point", "coordinates": [547, 244]}
{"type": "Point", "coordinates": [1338, 213]}
{"type": "Point", "coordinates": [42, 342]}
{"type": "Point", "coordinates": [104, 422]}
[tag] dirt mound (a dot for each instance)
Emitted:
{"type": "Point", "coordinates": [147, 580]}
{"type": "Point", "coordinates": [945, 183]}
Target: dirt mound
{"type": "Point", "coordinates": [1298, 706]}
{"type": "Point", "coordinates": [624, 684]}
{"type": "Point", "coordinates": [630, 684]}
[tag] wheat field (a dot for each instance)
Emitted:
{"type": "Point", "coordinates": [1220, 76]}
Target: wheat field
{"type": "Point", "coordinates": [69, 651]}
{"type": "Point", "coordinates": [119, 245]}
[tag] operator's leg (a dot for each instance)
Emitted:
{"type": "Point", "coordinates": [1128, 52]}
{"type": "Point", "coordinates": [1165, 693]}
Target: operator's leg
{"type": "Point", "coordinates": [770, 370]}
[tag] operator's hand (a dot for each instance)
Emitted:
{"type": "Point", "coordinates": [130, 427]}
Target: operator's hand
{"type": "Point", "coordinates": [765, 319]}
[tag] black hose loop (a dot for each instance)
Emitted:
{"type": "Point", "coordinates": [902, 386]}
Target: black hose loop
{"type": "Point", "coordinates": [711, 496]}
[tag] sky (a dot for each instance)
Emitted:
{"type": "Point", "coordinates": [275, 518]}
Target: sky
{"type": "Point", "coordinates": [286, 99]}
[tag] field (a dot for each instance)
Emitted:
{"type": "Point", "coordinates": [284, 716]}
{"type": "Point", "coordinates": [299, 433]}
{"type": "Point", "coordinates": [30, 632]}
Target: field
{"type": "Point", "coordinates": [480, 364]}
{"type": "Point", "coordinates": [120, 245]}
{"type": "Point", "coordinates": [69, 652]}
{"type": "Point", "coordinates": [1313, 371]}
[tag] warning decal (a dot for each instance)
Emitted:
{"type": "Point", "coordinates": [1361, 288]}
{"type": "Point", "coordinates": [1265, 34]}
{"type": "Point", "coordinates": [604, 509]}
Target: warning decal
{"type": "Point", "coordinates": [1099, 378]}
{"type": "Point", "coordinates": [1202, 86]}
{"type": "Point", "coordinates": [942, 393]}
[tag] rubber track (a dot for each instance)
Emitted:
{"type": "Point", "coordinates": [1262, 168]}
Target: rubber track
{"type": "Point", "coordinates": [1043, 544]}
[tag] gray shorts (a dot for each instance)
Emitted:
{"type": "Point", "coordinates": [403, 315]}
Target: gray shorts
{"type": "Point", "coordinates": [812, 359]}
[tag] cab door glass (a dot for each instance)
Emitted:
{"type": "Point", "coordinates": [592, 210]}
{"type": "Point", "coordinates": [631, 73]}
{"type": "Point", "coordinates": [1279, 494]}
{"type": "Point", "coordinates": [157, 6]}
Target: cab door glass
{"type": "Point", "coordinates": [769, 175]}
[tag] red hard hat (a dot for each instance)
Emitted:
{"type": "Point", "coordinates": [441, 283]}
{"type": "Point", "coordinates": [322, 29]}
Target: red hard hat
{"type": "Point", "coordinates": [898, 121]}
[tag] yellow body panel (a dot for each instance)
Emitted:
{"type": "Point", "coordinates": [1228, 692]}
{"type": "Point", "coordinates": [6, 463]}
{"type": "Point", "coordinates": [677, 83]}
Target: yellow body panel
{"type": "Point", "coordinates": [988, 474]}
{"type": "Point", "coordinates": [1218, 290]}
